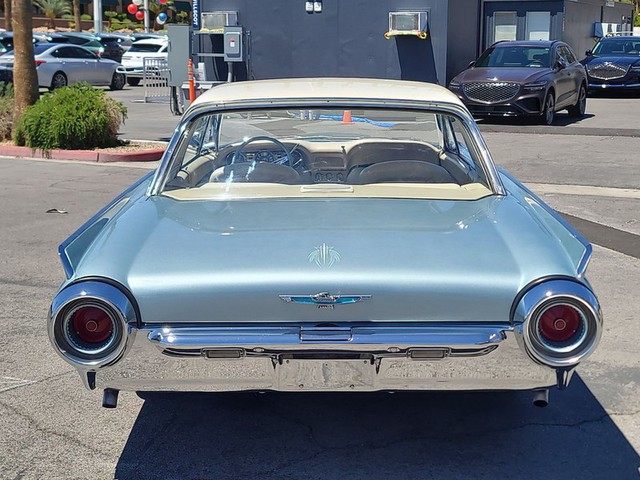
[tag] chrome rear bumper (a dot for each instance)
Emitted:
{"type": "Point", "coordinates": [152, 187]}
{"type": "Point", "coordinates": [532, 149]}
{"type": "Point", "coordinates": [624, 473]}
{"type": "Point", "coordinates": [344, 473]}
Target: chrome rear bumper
{"type": "Point", "coordinates": [331, 358]}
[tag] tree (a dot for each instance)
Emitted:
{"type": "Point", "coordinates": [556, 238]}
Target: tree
{"type": "Point", "coordinates": [52, 9]}
{"type": "Point", "coordinates": [76, 16]}
{"type": "Point", "coordinates": [7, 15]}
{"type": "Point", "coordinates": [24, 66]}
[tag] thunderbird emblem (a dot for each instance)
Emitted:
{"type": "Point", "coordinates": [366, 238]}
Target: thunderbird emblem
{"type": "Point", "coordinates": [323, 299]}
{"type": "Point", "coordinates": [324, 256]}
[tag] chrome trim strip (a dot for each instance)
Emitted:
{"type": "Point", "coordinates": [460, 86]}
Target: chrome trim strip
{"type": "Point", "coordinates": [367, 337]}
{"type": "Point", "coordinates": [160, 178]}
{"type": "Point", "coordinates": [607, 86]}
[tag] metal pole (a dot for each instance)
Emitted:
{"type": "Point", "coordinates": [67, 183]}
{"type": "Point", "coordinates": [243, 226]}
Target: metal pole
{"type": "Point", "coordinates": [97, 16]}
{"type": "Point", "coordinates": [146, 16]}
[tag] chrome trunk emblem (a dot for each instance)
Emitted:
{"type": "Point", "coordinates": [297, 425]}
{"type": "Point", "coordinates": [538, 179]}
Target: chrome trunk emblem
{"type": "Point", "coordinates": [324, 256]}
{"type": "Point", "coordinates": [324, 299]}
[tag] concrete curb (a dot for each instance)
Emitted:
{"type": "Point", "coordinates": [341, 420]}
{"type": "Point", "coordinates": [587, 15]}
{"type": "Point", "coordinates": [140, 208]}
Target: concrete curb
{"type": "Point", "coordinates": [82, 155]}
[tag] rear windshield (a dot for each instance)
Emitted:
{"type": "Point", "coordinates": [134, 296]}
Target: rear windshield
{"type": "Point", "coordinates": [301, 153]}
{"type": "Point", "coordinates": [515, 56]}
{"type": "Point", "coordinates": [617, 46]}
{"type": "Point", "coordinates": [145, 47]}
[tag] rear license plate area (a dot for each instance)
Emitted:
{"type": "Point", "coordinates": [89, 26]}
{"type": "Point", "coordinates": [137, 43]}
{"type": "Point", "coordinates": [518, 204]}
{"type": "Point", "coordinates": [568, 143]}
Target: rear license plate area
{"type": "Point", "coordinates": [318, 374]}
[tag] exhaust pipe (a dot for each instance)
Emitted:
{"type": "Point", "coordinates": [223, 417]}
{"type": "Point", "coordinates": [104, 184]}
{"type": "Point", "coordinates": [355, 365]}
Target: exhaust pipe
{"type": "Point", "coordinates": [541, 398]}
{"type": "Point", "coordinates": [110, 398]}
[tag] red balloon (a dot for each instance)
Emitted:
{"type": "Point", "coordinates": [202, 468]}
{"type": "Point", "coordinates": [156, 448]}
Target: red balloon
{"type": "Point", "coordinates": [139, 15]}
{"type": "Point", "coordinates": [162, 1]}
{"type": "Point", "coordinates": [131, 8]}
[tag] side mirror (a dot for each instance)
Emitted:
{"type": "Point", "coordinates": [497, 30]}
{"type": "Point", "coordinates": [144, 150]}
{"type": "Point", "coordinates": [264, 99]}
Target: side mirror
{"type": "Point", "coordinates": [559, 65]}
{"type": "Point", "coordinates": [588, 53]}
{"type": "Point", "coordinates": [471, 64]}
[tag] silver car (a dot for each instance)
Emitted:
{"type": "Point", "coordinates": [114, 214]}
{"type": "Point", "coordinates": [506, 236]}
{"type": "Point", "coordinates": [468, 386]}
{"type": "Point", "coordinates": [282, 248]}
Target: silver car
{"type": "Point", "coordinates": [61, 65]}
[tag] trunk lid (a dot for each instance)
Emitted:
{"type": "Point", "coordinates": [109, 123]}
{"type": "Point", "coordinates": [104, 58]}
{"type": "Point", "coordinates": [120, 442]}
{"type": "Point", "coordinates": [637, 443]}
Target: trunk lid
{"type": "Point", "coordinates": [411, 260]}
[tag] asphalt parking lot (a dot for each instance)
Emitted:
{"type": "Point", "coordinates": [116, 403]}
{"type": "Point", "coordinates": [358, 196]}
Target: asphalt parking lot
{"type": "Point", "coordinates": [50, 427]}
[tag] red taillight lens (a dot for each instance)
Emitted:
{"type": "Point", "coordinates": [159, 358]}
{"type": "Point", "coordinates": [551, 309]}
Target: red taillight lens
{"type": "Point", "coordinates": [559, 323]}
{"type": "Point", "coordinates": [92, 325]}
{"type": "Point", "coordinates": [40, 62]}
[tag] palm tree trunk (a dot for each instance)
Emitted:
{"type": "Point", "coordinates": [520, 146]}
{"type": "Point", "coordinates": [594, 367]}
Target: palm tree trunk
{"type": "Point", "coordinates": [76, 16]}
{"type": "Point", "coordinates": [7, 16]}
{"type": "Point", "coordinates": [24, 65]}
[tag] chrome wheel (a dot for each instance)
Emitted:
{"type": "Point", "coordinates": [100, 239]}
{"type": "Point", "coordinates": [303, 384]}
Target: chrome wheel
{"type": "Point", "coordinates": [59, 80]}
{"type": "Point", "coordinates": [548, 113]}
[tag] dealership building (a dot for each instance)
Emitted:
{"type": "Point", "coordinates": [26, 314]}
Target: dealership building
{"type": "Point", "coordinates": [425, 40]}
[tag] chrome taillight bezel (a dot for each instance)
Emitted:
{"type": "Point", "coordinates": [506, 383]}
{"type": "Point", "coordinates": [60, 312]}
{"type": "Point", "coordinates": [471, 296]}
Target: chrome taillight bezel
{"type": "Point", "coordinates": [94, 294]}
{"type": "Point", "coordinates": [538, 300]}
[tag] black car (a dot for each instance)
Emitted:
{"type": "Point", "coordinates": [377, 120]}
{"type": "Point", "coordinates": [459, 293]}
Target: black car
{"type": "Point", "coordinates": [532, 78]}
{"type": "Point", "coordinates": [114, 46]}
{"type": "Point", "coordinates": [614, 64]}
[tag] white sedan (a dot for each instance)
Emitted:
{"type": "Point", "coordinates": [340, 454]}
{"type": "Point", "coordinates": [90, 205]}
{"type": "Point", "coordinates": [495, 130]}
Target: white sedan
{"type": "Point", "coordinates": [61, 65]}
{"type": "Point", "coordinates": [133, 59]}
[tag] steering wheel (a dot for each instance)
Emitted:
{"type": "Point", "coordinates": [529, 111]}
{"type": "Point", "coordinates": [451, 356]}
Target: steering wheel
{"type": "Point", "coordinates": [263, 138]}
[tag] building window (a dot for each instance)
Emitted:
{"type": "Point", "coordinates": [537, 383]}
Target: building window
{"type": "Point", "coordinates": [504, 26]}
{"type": "Point", "coordinates": [538, 25]}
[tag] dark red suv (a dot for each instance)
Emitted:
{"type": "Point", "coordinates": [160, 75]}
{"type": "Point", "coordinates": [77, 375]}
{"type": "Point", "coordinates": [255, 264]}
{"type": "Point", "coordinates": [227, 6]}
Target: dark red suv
{"type": "Point", "coordinates": [533, 78]}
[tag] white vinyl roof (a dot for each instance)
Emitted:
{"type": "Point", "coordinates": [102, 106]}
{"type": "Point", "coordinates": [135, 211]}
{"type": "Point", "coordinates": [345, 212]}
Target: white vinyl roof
{"type": "Point", "coordinates": [329, 88]}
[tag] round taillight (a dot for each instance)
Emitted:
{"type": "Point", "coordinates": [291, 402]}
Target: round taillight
{"type": "Point", "coordinates": [92, 325]}
{"type": "Point", "coordinates": [560, 323]}
{"type": "Point", "coordinates": [90, 328]}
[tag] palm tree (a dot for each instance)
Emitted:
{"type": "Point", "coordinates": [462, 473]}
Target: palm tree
{"type": "Point", "coordinates": [76, 16]}
{"type": "Point", "coordinates": [24, 66]}
{"type": "Point", "coordinates": [7, 15]}
{"type": "Point", "coordinates": [53, 9]}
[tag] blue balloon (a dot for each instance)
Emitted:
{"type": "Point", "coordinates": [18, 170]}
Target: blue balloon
{"type": "Point", "coordinates": [162, 17]}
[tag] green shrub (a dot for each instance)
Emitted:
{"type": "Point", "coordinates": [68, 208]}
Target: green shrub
{"type": "Point", "coordinates": [67, 16]}
{"type": "Point", "coordinates": [86, 16]}
{"type": "Point", "coordinates": [6, 110]}
{"type": "Point", "coordinates": [75, 117]}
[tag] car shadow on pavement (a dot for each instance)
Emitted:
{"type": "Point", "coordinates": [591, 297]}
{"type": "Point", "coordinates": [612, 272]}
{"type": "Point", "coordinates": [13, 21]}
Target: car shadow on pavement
{"type": "Point", "coordinates": [378, 435]}
{"type": "Point", "coordinates": [561, 119]}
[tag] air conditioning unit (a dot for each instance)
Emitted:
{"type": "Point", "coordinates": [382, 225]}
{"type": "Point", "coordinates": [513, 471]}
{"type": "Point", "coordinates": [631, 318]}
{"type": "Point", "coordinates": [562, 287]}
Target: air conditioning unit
{"type": "Point", "coordinates": [408, 23]}
{"type": "Point", "coordinates": [214, 22]}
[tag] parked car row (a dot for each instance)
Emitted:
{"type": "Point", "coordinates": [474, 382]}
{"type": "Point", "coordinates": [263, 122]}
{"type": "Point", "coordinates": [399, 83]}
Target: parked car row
{"type": "Point", "coordinates": [540, 78]}
{"type": "Point", "coordinates": [70, 57]}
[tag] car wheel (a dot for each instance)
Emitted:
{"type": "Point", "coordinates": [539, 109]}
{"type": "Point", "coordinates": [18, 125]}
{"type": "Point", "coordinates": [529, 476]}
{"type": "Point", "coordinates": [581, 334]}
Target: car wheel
{"type": "Point", "coordinates": [118, 81]}
{"type": "Point", "coordinates": [580, 107]}
{"type": "Point", "coordinates": [133, 81]}
{"type": "Point", "coordinates": [59, 80]}
{"type": "Point", "coordinates": [548, 111]}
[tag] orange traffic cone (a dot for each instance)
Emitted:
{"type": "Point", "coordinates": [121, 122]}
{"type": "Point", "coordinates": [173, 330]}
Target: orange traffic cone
{"type": "Point", "coordinates": [192, 82]}
{"type": "Point", "coordinates": [346, 117]}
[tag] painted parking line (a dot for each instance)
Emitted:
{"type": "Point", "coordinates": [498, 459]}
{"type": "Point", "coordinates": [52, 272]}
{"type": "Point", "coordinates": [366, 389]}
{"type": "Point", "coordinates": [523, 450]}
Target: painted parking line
{"type": "Point", "coordinates": [9, 383]}
{"type": "Point", "coordinates": [584, 190]}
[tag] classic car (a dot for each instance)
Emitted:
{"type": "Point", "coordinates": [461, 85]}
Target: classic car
{"type": "Point", "coordinates": [614, 64]}
{"type": "Point", "coordinates": [526, 78]}
{"type": "Point", "coordinates": [325, 235]}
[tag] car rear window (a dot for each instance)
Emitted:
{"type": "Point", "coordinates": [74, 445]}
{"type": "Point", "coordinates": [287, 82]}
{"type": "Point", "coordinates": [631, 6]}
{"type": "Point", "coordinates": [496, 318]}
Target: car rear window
{"type": "Point", "coordinates": [324, 151]}
{"type": "Point", "coordinates": [145, 47]}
